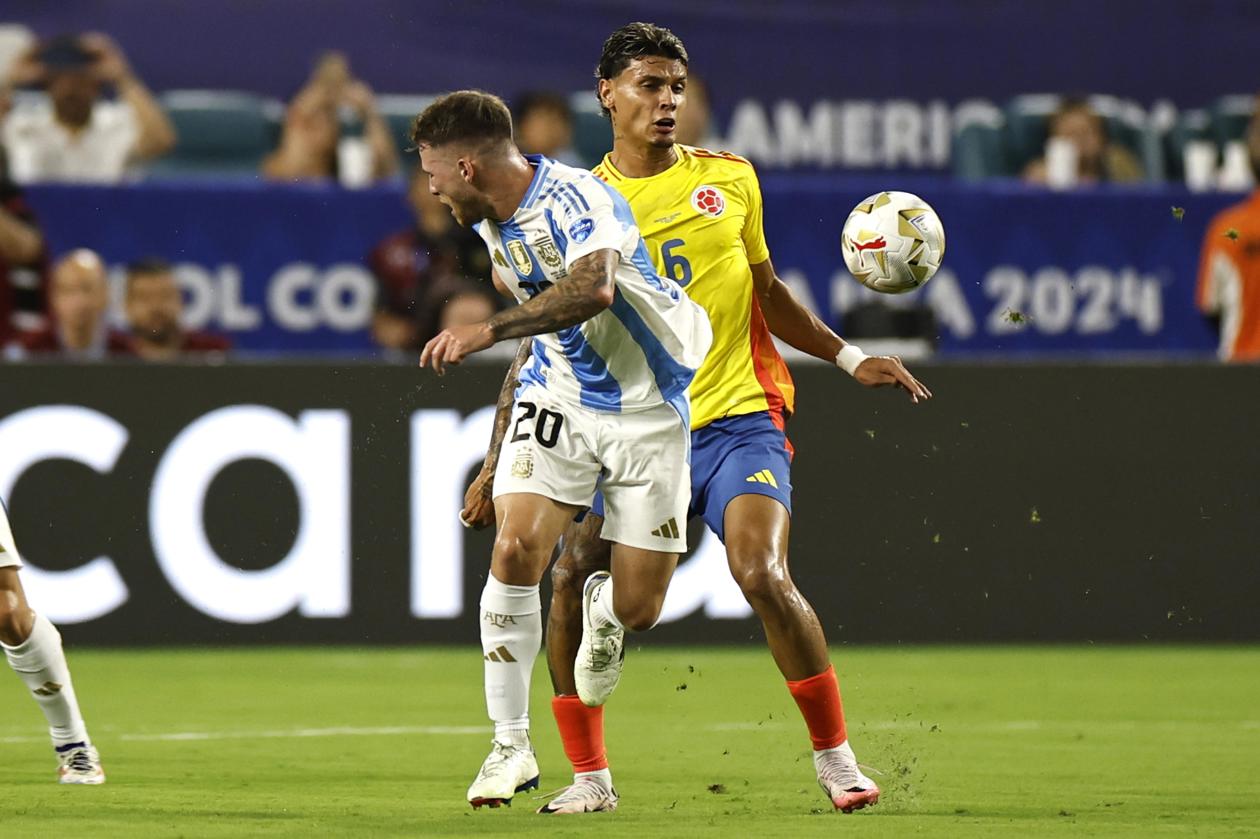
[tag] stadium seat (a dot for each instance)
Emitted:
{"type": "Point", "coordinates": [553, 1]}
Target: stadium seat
{"type": "Point", "coordinates": [1230, 116]}
{"type": "Point", "coordinates": [592, 132]}
{"type": "Point", "coordinates": [399, 112]}
{"type": "Point", "coordinates": [1188, 126]}
{"type": "Point", "coordinates": [219, 132]}
{"type": "Point", "coordinates": [977, 151]}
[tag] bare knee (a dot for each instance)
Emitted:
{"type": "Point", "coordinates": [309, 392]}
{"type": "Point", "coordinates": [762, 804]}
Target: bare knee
{"type": "Point", "coordinates": [762, 578]}
{"type": "Point", "coordinates": [16, 618]}
{"type": "Point", "coordinates": [520, 556]}
{"type": "Point", "coordinates": [637, 614]}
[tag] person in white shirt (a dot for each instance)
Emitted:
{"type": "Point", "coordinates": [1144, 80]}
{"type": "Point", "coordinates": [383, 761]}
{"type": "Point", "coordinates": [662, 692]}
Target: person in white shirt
{"type": "Point", "coordinates": [76, 135]}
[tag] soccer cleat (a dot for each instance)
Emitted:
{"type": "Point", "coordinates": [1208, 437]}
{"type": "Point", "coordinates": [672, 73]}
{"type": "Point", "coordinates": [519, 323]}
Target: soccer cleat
{"type": "Point", "coordinates": [590, 792]}
{"type": "Point", "coordinates": [80, 764]}
{"type": "Point", "coordinates": [507, 770]}
{"type": "Point", "coordinates": [842, 780]}
{"type": "Point", "coordinates": [602, 651]}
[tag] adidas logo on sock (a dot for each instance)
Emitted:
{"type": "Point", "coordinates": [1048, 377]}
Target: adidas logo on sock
{"type": "Point", "coordinates": [765, 476]}
{"type": "Point", "coordinates": [49, 689]}
{"type": "Point", "coordinates": [668, 530]}
{"type": "Point", "coordinates": [499, 654]}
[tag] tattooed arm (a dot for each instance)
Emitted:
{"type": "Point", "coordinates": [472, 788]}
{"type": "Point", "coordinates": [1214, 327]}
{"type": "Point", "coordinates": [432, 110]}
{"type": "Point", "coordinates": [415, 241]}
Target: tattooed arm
{"type": "Point", "coordinates": [585, 292]}
{"type": "Point", "coordinates": [478, 509]}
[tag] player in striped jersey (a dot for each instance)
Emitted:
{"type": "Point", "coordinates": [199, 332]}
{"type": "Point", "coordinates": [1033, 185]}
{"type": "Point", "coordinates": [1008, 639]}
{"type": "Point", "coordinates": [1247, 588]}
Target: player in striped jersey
{"type": "Point", "coordinates": [700, 212]}
{"type": "Point", "coordinates": [604, 399]}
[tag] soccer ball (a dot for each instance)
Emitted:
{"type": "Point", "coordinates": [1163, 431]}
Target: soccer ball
{"type": "Point", "coordinates": [893, 242]}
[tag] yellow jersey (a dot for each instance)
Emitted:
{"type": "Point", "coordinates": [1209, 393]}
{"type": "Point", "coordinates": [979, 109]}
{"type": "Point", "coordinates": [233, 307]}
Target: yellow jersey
{"type": "Point", "coordinates": [701, 220]}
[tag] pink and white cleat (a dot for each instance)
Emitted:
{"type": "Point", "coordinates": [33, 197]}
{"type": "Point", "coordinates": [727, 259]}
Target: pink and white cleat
{"type": "Point", "coordinates": [842, 780]}
{"type": "Point", "coordinates": [590, 792]}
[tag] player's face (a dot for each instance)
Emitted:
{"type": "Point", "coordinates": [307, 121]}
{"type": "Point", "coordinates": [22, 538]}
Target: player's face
{"type": "Point", "coordinates": [644, 100]}
{"type": "Point", "coordinates": [450, 180]}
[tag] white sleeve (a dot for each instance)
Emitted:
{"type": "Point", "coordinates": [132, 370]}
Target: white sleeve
{"type": "Point", "coordinates": [590, 221]}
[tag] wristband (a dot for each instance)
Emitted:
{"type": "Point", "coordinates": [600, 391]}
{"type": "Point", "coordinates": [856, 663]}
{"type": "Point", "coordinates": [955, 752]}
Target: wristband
{"type": "Point", "coordinates": [850, 357]}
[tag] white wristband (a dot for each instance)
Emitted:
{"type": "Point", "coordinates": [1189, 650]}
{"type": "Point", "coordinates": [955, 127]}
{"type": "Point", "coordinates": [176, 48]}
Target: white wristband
{"type": "Point", "coordinates": [850, 357]}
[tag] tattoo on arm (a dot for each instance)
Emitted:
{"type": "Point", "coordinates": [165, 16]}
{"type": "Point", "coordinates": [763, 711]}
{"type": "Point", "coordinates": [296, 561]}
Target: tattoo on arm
{"type": "Point", "coordinates": [503, 410]}
{"type": "Point", "coordinates": [584, 293]}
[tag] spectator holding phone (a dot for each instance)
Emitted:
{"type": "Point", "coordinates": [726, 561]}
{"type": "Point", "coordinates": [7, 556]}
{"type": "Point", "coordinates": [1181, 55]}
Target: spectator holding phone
{"type": "Point", "coordinates": [77, 135]}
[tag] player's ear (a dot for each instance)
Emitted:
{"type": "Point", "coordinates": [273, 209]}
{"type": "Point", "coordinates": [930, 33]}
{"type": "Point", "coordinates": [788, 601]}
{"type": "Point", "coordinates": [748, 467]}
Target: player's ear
{"type": "Point", "coordinates": [605, 93]}
{"type": "Point", "coordinates": [467, 169]}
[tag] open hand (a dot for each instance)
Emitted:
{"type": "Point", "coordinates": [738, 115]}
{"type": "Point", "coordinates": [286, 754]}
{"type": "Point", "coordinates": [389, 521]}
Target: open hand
{"type": "Point", "coordinates": [453, 345]}
{"type": "Point", "coordinates": [882, 370]}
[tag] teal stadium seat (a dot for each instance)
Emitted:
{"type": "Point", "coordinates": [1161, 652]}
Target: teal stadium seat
{"type": "Point", "coordinates": [592, 131]}
{"type": "Point", "coordinates": [1189, 125]}
{"type": "Point", "coordinates": [978, 151]}
{"type": "Point", "coordinates": [1230, 116]}
{"type": "Point", "coordinates": [220, 132]}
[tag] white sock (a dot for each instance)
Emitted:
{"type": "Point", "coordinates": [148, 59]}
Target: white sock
{"type": "Point", "coordinates": [603, 776]}
{"type": "Point", "coordinates": [41, 664]}
{"type": "Point", "coordinates": [602, 605]}
{"type": "Point", "coordinates": [511, 635]}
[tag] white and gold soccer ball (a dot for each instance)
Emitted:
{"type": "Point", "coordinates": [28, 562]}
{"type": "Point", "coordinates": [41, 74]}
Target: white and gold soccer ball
{"type": "Point", "coordinates": [893, 242]}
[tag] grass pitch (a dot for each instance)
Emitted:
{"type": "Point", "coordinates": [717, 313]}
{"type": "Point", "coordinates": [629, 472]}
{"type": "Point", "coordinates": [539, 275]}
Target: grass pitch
{"type": "Point", "coordinates": [704, 742]}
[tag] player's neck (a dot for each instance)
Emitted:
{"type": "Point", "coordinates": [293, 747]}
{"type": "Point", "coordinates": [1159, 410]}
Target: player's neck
{"type": "Point", "coordinates": [642, 161]}
{"type": "Point", "coordinates": [514, 182]}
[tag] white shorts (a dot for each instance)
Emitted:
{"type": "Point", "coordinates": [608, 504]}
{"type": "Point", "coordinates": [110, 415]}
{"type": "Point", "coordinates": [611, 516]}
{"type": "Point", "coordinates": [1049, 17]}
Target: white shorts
{"type": "Point", "coordinates": [8, 548]}
{"type": "Point", "coordinates": [639, 460]}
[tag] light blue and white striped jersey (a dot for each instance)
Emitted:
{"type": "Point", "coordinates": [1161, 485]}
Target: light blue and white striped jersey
{"type": "Point", "coordinates": [642, 350]}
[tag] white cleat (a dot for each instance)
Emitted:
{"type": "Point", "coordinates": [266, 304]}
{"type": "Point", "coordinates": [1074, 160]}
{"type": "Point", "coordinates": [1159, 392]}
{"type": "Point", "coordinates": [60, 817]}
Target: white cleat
{"type": "Point", "coordinates": [508, 769]}
{"type": "Point", "coordinates": [842, 780]}
{"type": "Point", "coordinates": [590, 792]}
{"type": "Point", "coordinates": [80, 764]}
{"type": "Point", "coordinates": [602, 651]}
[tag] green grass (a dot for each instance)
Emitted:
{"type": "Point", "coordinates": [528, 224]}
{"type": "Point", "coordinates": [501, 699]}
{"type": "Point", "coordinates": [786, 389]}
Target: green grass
{"type": "Point", "coordinates": [968, 741]}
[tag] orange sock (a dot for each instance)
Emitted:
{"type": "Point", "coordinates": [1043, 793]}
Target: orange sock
{"type": "Point", "coordinates": [818, 697]}
{"type": "Point", "coordinates": [582, 732]}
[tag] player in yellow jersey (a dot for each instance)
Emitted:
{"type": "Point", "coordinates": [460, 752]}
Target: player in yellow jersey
{"type": "Point", "coordinates": [700, 213]}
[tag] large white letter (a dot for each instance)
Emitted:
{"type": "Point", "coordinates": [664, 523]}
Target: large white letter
{"type": "Point", "coordinates": [314, 452]}
{"type": "Point", "coordinates": [66, 432]}
{"type": "Point", "coordinates": [443, 446]}
{"type": "Point", "coordinates": [705, 580]}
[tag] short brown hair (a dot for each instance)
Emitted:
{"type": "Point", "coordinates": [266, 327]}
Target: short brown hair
{"type": "Point", "coordinates": [463, 116]}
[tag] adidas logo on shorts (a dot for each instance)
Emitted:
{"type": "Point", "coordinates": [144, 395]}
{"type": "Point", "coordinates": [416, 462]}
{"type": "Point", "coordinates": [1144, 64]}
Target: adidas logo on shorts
{"type": "Point", "coordinates": [765, 476]}
{"type": "Point", "coordinates": [668, 530]}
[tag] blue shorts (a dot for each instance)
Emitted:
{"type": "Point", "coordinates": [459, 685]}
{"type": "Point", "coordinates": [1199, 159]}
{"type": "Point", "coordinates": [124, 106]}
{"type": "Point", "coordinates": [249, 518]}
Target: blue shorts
{"type": "Point", "coordinates": [741, 455]}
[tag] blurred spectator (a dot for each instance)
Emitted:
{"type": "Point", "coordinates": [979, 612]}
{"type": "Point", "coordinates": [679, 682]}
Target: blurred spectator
{"type": "Point", "coordinates": [79, 298]}
{"type": "Point", "coordinates": [1229, 267]}
{"type": "Point", "coordinates": [333, 130]}
{"type": "Point", "coordinates": [23, 258]}
{"type": "Point", "coordinates": [695, 117]}
{"type": "Point", "coordinates": [544, 125]}
{"type": "Point", "coordinates": [459, 302]}
{"type": "Point", "coordinates": [154, 307]}
{"type": "Point", "coordinates": [77, 135]}
{"type": "Point", "coordinates": [409, 264]}
{"type": "Point", "coordinates": [1097, 159]}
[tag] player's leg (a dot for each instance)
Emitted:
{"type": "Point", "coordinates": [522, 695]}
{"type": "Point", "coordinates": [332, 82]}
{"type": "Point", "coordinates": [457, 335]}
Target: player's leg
{"type": "Point", "coordinates": [749, 505]}
{"type": "Point", "coordinates": [511, 636]}
{"type": "Point", "coordinates": [33, 649]}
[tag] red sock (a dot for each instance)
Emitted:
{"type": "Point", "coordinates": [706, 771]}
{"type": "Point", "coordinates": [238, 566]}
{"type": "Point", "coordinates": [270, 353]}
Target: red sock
{"type": "Point", "coordinates": [818, 697]}
{"type": "Point", "coordinates": [582, 732]}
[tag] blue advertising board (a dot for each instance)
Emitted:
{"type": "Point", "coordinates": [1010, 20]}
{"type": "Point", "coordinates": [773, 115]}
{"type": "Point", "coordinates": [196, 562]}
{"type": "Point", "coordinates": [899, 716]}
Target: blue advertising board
{"type": "Point", "coordinates": [1027, 271]}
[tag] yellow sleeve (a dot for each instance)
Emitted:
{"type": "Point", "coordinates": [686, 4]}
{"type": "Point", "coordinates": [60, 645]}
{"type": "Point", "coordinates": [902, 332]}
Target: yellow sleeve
{"type": "Point", "coordinates": [753, 235]}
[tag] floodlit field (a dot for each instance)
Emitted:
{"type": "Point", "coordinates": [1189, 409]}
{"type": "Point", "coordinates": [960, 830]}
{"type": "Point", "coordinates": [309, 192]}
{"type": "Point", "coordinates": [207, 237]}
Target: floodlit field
{"type": "Point", "coordinates": [704, 742]}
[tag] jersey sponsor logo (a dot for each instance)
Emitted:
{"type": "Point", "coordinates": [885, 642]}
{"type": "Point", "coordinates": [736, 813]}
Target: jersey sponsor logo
{"type": "Point", "coordinates": [581, 230]}
{"type": "Point", "coordinates": [548, 253]}
{"type": "Point", "coordinates": [708, 200]}
{"type": "Point", "coordinates": [520, 257]}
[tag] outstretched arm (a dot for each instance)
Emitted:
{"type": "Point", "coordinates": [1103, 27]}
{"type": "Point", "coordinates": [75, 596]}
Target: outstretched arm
{"type": "Point", "coordinates": [585, 292]}
{"type": "Point", "coordinates": [805, 331]}
{"type": "Point", "coordinates": [478, 509]}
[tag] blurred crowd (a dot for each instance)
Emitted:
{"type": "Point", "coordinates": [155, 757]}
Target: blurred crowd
{"type": "Point", "coordinates": [74, 109]}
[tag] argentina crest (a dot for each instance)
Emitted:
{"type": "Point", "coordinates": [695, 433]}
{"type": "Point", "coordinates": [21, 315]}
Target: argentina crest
{"type": "Point", "coordinates": [548, 253]}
